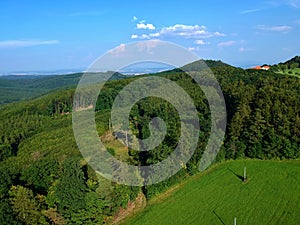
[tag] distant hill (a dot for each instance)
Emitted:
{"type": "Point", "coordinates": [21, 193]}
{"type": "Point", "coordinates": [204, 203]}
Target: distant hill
{"type": "Point", "coordinates": [202, 64]}
{"type": "Point", "coordinates": [15, 88]}
{"type": "Point", "coordinates": [294, 62]}
{"type": "Point", "coordinates": [290, 67]}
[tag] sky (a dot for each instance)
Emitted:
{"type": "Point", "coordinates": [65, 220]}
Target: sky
{"type": "Point", "coordinates": [55, 35]}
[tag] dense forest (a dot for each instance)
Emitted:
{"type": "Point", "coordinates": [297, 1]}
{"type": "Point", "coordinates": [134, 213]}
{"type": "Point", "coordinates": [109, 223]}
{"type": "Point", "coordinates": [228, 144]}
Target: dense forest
{"type": "Point", "coordinates": [45, 180]}
{"type": "Point", "coordinates": [14, 88]}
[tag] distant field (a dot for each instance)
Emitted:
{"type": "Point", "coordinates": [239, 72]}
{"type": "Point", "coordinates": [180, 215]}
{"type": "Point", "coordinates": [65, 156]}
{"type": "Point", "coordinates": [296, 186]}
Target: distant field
{"type": "Point", "coordinates": [291, 72]}
{"type": "Point", "coordinates": [271, 196]}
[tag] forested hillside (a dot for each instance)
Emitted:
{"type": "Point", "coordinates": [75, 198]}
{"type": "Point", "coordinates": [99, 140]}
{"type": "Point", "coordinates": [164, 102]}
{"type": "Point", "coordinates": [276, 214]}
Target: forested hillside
{"type": "Point", "coordinates": [45, 180]}
{"type": "Point", "coordinates": [290, 67]}
{"type": "Point", "coordinates": [14, 88]}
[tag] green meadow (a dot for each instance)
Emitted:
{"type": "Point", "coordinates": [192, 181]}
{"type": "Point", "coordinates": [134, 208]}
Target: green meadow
{"type": "Point", "coordinates": [271, 195]}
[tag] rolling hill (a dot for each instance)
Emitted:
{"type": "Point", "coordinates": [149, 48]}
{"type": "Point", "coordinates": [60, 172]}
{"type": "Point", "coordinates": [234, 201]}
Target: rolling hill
{"type": "Point", "coordinates": [14, 88]}
{"type": "Point", "coordinates": [271, 195]}
{"type": "Point", "coordinates": [45, 179]}
{"type": "Point", "coordinates": [290, 67]}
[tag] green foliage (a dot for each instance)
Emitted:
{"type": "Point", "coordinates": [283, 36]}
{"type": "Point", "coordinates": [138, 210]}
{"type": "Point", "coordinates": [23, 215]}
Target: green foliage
{"type": "Point", "coordinates": [5, 152]}
{"type": "Point", "coordinates": [70, 189]}
{"type": "Point", "coordinates": [24, 205]}
{"type": "Point", "coordinates": [92, 213]}
{"type": "Point", "coordinates": [290, 67]}
{"type": "Point", "coordinates": [6, 213]}
{"type": "Point", "coordinates": [40, 175]}
{"type": "Point", "coordinates": [16, 88]}
{"type": "Point", "coordinates": [39, 156]}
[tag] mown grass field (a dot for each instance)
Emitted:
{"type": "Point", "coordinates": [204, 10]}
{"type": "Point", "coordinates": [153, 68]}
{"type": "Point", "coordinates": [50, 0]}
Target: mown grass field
{"type": "Point", "coordinates": [270, 196]}
{"type": "Point", "coordinates": [292, 72]}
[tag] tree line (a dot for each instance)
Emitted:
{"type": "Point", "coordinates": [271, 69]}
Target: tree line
{"type": "Point", "coordinates": [45, 180]}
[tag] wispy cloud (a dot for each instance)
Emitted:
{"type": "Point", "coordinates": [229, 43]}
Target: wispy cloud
{"type": "Point", "coordinates": [145, 36]}
{"type": "Point", "coordinates": [287, 49]}
{"type": "Point", "coordinates": [191, 49]}
{"type": "Point", "coordinates": [278, 3]}
{"type": "Point", "coordinates": [243, 49]}
{"type": "Point", "coordinates": [189, 31]}
{"type": "Point", "coordinates": [26, 43]}
{"type": "Point", "coordinates": [293, 3]}
{"type": "Point", "coordinates": [226, 43]}
{"type": "Point", "coordinates": [273, 4]}
{"type": "Point", "coordinates": [118, 50]}
{"type": "Point", "coordinates": [251, 10]}
{"type": "Point", "coordinates": [134, 18]}
{"type": "Point", "coordinates": [274, 28]}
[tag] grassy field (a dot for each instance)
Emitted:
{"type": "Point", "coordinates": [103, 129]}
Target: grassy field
{"type": "Point", "coordinates": [292, 72]}
{"type": "Point", "coordinates": [271, 195]}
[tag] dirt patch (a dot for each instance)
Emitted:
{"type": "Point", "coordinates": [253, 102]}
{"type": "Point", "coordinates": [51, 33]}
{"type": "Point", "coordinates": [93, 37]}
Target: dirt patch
{"type": "Point", "coordinates": [133, 207]}
{"type": "Point", "coordinates": [108, 137]}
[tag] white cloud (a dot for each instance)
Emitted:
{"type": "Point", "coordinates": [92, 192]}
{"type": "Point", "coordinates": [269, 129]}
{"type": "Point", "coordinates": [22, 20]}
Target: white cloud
{"type": "Point", "coordinates": [148, 26]}
{"type": "Point", "coordinates": [178, 30]}
{"type": "Point", "coordinates": [218, 34]}
{"type": "Point", "coordinates": [189, 31]}
{"type": "Point", "coordinates": [155, 34]}
{"type": "Point", "coordinates": [274, 28]}
{"type": "Point", "coordinates": [226, 43]}
{"type": "Point", "coordinates": [26, 43]}
{"type": "Point", "coordinates": [134, 18]}
{"type": "Point", "coordinates": [134, 36]}
{"type": "Point", "coordinates": [145, 36]}
{"type": "Point", "coordinates": [201, 42]}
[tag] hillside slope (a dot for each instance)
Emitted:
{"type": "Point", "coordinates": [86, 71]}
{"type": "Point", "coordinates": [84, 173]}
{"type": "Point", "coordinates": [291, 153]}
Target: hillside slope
{"type": "Point", "coordinates": [42, 168]}
{"type": "Point", "coordinates": [15, 88]}
{"type": "Point", "coordinates": [270, 196]}
{"type": "Point", "coordinates": [290, 67]}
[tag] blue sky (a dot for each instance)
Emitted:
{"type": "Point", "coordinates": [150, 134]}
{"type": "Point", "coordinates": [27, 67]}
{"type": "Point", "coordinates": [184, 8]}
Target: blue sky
{"type": "Point", "coordinates": [53, 35]}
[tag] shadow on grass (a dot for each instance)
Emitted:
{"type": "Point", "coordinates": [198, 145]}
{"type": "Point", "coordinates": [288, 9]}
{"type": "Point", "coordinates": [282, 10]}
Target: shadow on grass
{"type": "Point", "coordinates": [219, 217]}
{"type": "Point", "coordinates": [237, 175]}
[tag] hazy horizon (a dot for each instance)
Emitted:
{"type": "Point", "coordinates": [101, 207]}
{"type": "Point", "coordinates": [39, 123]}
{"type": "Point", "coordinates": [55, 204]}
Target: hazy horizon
{"type": "Point", "coordinates": [50, 36]}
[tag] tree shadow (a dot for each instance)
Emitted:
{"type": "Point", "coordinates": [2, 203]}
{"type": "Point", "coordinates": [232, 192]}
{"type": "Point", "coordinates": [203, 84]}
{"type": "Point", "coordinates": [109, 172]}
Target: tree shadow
{"type": "Point", "coordinates": [237, 175]}
{"type": "Point", "coordinates": [219, 217]}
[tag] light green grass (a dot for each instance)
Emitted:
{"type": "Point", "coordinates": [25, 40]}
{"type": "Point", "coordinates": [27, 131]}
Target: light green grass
{"type": "Point", "coordinates": [270, 196]}
{"type": "Point", "coordinates": [291, 72]}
